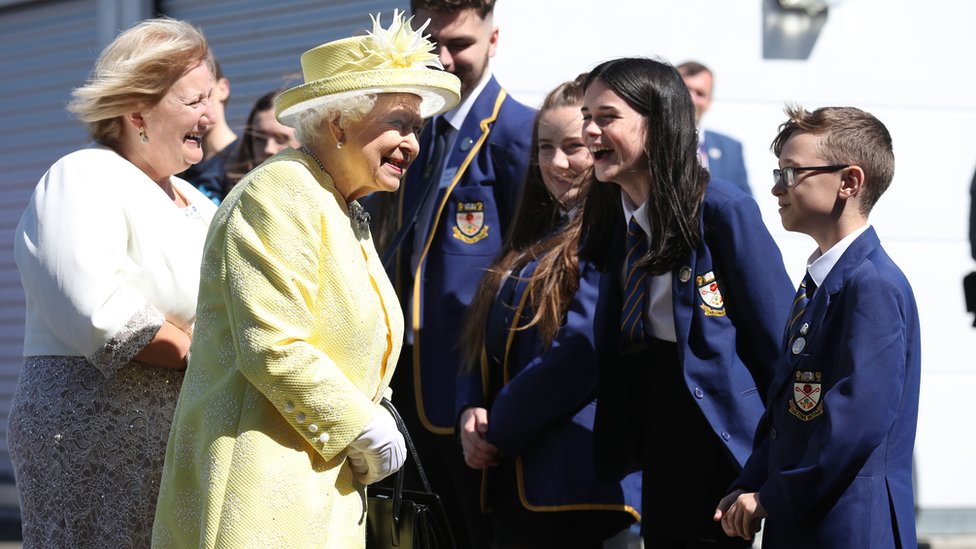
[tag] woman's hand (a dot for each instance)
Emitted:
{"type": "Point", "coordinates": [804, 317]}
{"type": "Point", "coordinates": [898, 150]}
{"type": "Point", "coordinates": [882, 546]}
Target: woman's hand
{"type": "Point", "coordinates": [478, 452]}
{"type": "Point", "coordinates": [168, 348]}
{"type": "Point", "coordinates": [379, 451]}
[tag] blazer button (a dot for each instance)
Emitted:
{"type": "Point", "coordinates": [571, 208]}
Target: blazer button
{"type": "Point", "coordinates": [684, 274]}
{"type": "Point", "coordinates": [289, 406]}
{"type": "Point", "coordinates": [772, 433]}
{"type": "Point", "coordinates": [300, 418]}
{"type": "Point", "coordinates": [726, 436]}
{"type": "Point", "coordinates": [699, 393]}
{"type": "Point", "coordinates": [313, 428]}
{"type": "Point", "coordinates": [324, 437]}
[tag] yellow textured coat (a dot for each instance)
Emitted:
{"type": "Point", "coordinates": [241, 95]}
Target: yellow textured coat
{"type": "Point", "coordinates": [298, 330]}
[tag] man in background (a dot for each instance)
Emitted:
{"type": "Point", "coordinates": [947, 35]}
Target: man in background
{"type": "Point", "coordinates": [719, 153]}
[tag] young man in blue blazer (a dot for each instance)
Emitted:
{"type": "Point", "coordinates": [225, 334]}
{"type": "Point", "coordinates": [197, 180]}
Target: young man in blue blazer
{"type": "Point", "coordinates": [833, 462]}
{"type": "Point", "coordinates": [459, 197]}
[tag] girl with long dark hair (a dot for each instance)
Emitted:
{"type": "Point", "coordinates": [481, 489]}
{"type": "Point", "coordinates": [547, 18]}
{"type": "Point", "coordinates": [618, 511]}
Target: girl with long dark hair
{"type": "Point", "coordinates": [692, 303]}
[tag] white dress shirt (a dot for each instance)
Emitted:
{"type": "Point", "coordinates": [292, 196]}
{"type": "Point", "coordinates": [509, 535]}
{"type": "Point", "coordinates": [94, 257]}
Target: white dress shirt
{"type": "Point", "coordinates": [659, 306]}
{"type": "Point", "coordinates": [819, 265]}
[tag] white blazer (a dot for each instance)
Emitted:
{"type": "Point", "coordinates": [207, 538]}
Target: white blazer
{"type": "Point", "coordinates": [99, 243]}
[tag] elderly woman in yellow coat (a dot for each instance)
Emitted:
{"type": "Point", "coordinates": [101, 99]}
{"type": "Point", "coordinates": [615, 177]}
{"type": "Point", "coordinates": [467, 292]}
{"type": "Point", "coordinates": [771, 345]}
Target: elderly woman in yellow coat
{"type": "Point", "coordinates": [278, 428]}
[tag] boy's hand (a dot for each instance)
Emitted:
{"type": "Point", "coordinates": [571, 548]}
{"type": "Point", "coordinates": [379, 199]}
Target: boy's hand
{"type": "Point", "coordinates": [741, 514]}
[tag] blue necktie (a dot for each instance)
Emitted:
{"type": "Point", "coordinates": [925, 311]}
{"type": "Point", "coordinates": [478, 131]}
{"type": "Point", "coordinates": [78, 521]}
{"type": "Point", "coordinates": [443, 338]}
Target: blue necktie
{"type": "Point", "coordinates": [635, 287]}
{"type": "Point", "coordinates": [800, 302]}
{"type": "Point", "coordinates": [430, 180]}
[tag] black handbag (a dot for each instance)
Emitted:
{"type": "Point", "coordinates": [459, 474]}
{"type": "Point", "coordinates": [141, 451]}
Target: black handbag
{"type": "Point", "coordinates": [406, 519]}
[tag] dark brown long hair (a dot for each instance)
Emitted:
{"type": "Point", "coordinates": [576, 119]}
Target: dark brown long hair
{"type": "Point", "coordinates": [243, 160]}
{"type": "Point", "coordinates": [676, 178]}
{"type": "Point", "coordinates": [534, 235]}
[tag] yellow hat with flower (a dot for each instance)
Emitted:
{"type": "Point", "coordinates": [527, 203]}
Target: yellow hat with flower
{"type": "Point", "coordinates": [393, 60]}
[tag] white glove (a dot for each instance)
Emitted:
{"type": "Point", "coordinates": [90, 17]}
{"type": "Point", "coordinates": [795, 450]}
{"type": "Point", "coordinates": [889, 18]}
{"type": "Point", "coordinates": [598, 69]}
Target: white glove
{"type": "Point", "coordinates": [379, 451]}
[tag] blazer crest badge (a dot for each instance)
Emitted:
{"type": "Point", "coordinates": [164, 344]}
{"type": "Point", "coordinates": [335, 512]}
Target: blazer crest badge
{"type": "Point", "coordinates": [807, 403]}
{"type": "Point", "coordinates": [469, 222]}
{"type": "Point", "coordinates": [712, 303]}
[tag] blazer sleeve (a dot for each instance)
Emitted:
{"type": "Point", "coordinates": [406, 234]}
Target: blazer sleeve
{"type": "Point", "coordinates": [272, 248]}
{"type": "Point", "coordinates": [553, 385]}
{"type": "Point", "coordinates": [862, 403]}
{"type": "Point", "coordinates": [72, 249]}
{"type": "Point", "coordinates": [470, 390]}
{"type": "Point", "coordinates": [759, 292]}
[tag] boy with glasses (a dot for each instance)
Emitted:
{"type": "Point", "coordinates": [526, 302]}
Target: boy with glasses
{"type": "Point", "coordinates": [833, 461]}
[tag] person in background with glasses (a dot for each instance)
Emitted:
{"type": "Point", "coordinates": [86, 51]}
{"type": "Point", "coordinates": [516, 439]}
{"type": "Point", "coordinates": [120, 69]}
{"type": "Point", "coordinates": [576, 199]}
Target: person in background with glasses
{"type": "Point", "coordinates": [833, 466]}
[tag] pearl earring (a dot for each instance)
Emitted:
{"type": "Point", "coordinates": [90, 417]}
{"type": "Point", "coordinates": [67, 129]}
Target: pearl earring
{"type": "Point", "coordinates": [339, 145]}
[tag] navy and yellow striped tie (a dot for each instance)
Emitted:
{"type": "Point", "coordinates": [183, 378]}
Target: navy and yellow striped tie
{"type": "Point", "coordinates": [635, 287]}
{"type": "Point", "coordinates": [800, 302]}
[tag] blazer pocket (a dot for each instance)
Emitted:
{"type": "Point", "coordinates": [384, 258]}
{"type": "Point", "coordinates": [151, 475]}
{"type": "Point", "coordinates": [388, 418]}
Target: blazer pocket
{"type": "Point", "coordinates": [471, 225]}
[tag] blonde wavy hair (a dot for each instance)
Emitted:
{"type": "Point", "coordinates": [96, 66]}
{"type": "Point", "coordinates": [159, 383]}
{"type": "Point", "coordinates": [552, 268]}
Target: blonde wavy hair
{"type": "Point", "coordinates": [137, 68]}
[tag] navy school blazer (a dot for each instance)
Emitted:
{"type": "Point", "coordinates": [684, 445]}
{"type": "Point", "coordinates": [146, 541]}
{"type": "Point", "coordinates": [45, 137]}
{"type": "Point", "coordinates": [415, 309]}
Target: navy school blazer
{"type": "Point", "coordinates": [725, 160]}
{"type": "Point", "coordinates": [833, 466]}
{"type": "Point", "coordinates": [542, 403]}
{"type": "Point", "coordinates": [727, 353]}
{"type": "Point", "coordinates": [491, 154]}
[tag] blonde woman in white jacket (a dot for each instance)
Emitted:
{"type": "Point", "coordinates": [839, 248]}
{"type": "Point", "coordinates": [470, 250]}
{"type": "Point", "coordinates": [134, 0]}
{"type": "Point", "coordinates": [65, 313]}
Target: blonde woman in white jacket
{"type": "Point", "coordinates": [109, 252]}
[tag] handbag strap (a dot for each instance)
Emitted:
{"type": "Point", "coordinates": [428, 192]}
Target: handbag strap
{"type": "Point", "coordinates": [398, 479]}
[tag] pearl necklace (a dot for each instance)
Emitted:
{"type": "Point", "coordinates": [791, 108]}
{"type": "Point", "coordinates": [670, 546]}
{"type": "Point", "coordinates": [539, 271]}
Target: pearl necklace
{"type": "Point", "coordinates": [309, 152]}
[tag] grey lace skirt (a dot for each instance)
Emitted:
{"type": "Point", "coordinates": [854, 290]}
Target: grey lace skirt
{"type": "Point", "coordinates": [88, 450]}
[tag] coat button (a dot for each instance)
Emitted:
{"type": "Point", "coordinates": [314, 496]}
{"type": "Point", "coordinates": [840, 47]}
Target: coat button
{"type": "Point", "coordinates": [289, 406]}
{"type": "Point", "coordinates": [684, 274]}
{"type": "Point", "coordinates": [324, 437]}
{"type": "Point", "coordinates": [772, 433]}
{"type": "Point", "coordinates": [313, 428]}
{"type": "Point", "coordinates": [699, 393]}
{"type": "Point", "coordinates": [726, 436]}
{"type": "Point", "coordinates": [300, 418]}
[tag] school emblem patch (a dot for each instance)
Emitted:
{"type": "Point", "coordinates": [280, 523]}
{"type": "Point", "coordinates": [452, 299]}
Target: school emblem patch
{"type": "Point", "coordinates": [712, 302]}
{"type": "Point", "coordinates": [806, 403]}
{"type": "Point", "coordinates": [469, 222]}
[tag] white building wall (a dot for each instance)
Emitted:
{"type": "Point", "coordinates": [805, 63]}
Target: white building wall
{"type": "Point", "coordinates": [909, 63]}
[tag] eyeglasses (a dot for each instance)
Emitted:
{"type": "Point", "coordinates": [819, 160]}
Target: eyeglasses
{"type": "Point", "coordinates": [788, 175]}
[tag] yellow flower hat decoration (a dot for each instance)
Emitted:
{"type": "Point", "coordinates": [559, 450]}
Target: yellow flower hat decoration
{"type": "Point", "coordinates": [398, 46]}
{"type": "Point", "coordinates": [397, 59]}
